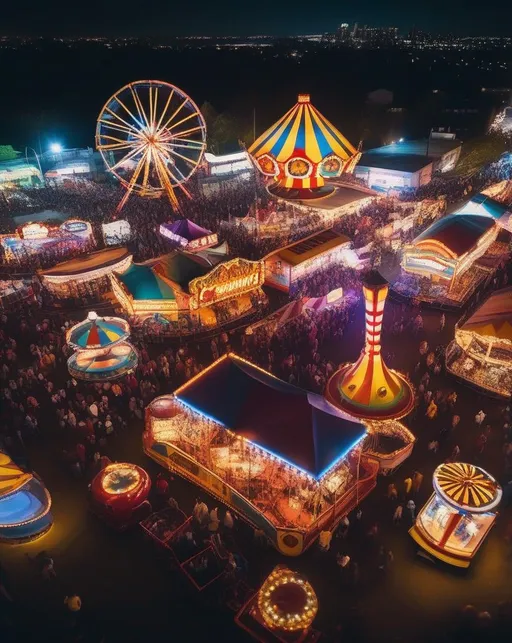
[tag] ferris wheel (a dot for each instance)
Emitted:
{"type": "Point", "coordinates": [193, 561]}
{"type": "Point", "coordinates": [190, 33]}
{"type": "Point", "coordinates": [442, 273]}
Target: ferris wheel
{"type": "Point", "coordinates": [152, 137]}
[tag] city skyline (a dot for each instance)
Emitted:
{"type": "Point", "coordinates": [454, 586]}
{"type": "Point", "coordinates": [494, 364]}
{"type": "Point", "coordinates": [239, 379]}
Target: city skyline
{"type": "Point", "coordinates": [227, 18]}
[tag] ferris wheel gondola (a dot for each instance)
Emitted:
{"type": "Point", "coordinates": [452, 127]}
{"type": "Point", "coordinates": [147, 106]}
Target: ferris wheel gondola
{"type": "Point", "coordinates": [152, 138]}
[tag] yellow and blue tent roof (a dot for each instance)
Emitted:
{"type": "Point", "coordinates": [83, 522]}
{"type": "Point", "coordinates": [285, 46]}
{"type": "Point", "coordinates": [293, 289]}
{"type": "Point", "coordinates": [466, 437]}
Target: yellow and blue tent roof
{"type": "Point", "coordinates": [302, 131]}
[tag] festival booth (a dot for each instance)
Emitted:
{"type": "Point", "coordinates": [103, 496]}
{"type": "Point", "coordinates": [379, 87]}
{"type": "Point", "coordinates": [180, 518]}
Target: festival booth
{"type": "Point", "coordinates": [372, 392]}
{"type": "Point", "coordinates": [188, 235]}
{"type": "Point", "coordinates": [449, 247]}
{"type": "Point", "coordinates": [299, 152]}
{"type": "Point", "coordinates": [14, 291]}
{"type": "Point", "coordinates": [448, 261]}
{"type": "Point", "coordinates": [116, 232]}
{"type": "Point", "coordinates": [228, 165]}
{"type": "Point", "coordinates": [282, 610]}
{"type": "Point", "coordinates": [481, 352]}
{"type": "Point", "coordinates": [102, 352]}
{"type": "Point", "coordinates": [24, 504]}
{"type": "Point", "coordinates": [183, 283]}
{"type": "Point", "coordinates": [86, 275]}
{"type": "Point", "coordinates": [283, 458]}
{"type": "Point", "coordinates": [37, 238]}
{"type": "Point", "coordinates": [119, 495]}
{"type": "Point", "coordinates": [459, 514]}
{"type": "Point", "coordinates": [288, 265]}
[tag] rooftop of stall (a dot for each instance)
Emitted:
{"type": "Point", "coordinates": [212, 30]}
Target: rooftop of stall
{"type": "Point", "coordinates": [318, 243]}
{"type": "Point", "coordinates": [289, 422]}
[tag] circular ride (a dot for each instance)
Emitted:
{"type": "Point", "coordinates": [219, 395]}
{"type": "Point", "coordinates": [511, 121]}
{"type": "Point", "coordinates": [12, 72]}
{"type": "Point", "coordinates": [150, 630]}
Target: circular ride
{"type": "Point", "coordinates": [299, 152]}
{"type": "Point", "coordinates": [119, 494]}
{"type": "Point", "coordinates": [152, 138]}
{"type": "Point", "coordinates": [286, 601]}
{"type": "Point", "coordinates": [102, 352]}
{"type": "Point", "coordinates": [456, 519]}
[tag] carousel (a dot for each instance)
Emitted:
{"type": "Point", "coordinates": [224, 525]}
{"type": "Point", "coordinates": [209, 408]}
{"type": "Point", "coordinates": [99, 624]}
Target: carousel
{"type": "Point", "coordinates": [119, 494]}
{"type": "Point", "coordinates": [283, 609]}
{"type": "Point", "coordinates": [459, 514]}
{"type": "Point", "coordinates": [101, 350]}
{"type": "Point", "coordinates": [481, 353]}
{"type": "Point", "coordinates": [24, 504]}
{"type": "Point", "coordinates": [301, 151]}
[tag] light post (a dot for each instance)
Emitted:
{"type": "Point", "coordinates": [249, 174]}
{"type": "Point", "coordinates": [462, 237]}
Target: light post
{"type": "Point", "coordinates": [37, 159]}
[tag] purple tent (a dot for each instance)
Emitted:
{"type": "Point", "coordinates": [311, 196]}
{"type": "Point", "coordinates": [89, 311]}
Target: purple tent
{"type": "Point", "coordinates": [186, 233]}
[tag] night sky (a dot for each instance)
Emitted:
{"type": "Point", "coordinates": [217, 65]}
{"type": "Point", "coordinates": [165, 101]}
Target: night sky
{"type": "Point", "coordinates": [160, 18]}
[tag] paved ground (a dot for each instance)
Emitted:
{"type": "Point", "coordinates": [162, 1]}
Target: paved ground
{"type": "Point", "coordinates": [130, 594]}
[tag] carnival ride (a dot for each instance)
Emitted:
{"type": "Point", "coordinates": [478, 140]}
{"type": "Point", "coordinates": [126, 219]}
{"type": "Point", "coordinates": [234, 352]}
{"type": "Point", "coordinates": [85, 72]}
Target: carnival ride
{"type": "Point", "coordinates": [481, 353]}
{"type": "Point", "coordinates": [283, 458]}
{"type": "Point", "coordinates": [152, 138]}
{"type": "Point", "coordinates": [102, 352]}
{"type": "Point", "coordinates": [283, 609]}
{"type": "Point", "coordinates": [372, 392]}
{"type": "Point", "coordinates": [119, 494]}
{"type": "Point", "coordinates": [459, 514]}
{"type": "Point", "coordinates": [300, 151]}
{"type": "Point", "coordinates": [24, 504]}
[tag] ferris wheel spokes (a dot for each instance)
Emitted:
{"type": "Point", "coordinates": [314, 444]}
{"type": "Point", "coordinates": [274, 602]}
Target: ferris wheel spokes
{"type": "Point", "coordinates": [152, 137]}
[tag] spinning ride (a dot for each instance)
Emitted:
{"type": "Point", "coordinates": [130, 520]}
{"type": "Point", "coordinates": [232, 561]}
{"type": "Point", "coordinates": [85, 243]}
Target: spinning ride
{"type": "Point", "coordinates": [459, 514]}
{"type": "Point", "coordinates": [119, 494]}
{"type": "Point", "coordinates": [152, 138]}
{"type": "Point", "coordinates": [301, 150]}
{"type": "Point", "coordinates": [102, 354]}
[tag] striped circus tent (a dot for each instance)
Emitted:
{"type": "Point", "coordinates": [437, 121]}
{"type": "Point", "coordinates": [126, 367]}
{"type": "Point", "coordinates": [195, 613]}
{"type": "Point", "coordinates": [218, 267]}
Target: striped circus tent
{"type": "Point", "coordinates": [97, 332]}
{"type": "Point", "coordinates": [303, 148]}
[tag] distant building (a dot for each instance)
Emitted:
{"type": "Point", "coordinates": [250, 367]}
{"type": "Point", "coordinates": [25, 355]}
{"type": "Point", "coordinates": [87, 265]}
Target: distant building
{"type": "Point", "coordinates": [408, 164]}
{"type": "Point", "coordinates": [19, 172]}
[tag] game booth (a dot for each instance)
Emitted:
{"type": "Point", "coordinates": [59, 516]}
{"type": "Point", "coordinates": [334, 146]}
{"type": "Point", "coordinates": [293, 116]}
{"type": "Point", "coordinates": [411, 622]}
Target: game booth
{"type": "Point", "coordinates": [38, 238]}
{"type": "Point", "coordinates": [85, 275]}
{"type": "Point", "coordinates": [188, 235]}
{"type": "Point", "coordinates": [24, 504]}
{"type": "Point", "coordinates": [184, 285]}
{"type": "Point", "coordinates": [283, 458]}
{"type": "Point", "coordinates": [481, 353]}
{"type": "Point", "coordinates": [102, 352]}
{"type": "Point", "coordinates": [459, 514]}
{"type": "Point", "coordinates": [288, 265]}
{"type": "Point", "coordinates": [282, 610]}
{"type": "Point", "coordinates": [119, 495]}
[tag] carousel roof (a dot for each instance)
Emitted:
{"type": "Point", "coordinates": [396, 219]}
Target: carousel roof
{"type": "Point", "coordinates": [98, 332]}
{"type": "Point", "coordinates": [119, 360]}
{"type": "Point", "coordinates": [186, 229]}
{"type": "Point", "coordinates": [11, 476]}
{"type": "Point", "coordinates": [494, 317]}
{"type": "Point", "coordinates": [457, 232]}
{"type": "Point", "coordinates": [291, 423]}
{"type": "Point", "coordinates": [302, 131]}
{"type": "Point", "coordinates": [467, 487]}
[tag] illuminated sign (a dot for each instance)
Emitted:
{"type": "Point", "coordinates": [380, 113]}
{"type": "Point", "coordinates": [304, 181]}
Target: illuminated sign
{"type": "Point", "coordinates": [76, 227]}
{"type": "Point", "coordinates": [227, 280]}
{"type": "Point", "coordinates": [34, 231]}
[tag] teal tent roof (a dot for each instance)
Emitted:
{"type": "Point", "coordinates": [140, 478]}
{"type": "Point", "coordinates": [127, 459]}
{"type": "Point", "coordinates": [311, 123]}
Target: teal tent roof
{"type": "Point", "coordinates": [143, 283]}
